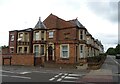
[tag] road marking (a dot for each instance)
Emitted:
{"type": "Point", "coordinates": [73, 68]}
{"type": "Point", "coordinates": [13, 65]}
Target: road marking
{"type": "Point", "coordinates": [51, 79]}
{"type": "Point", "coordinates": [60, 73]}
{"type": "Point", "coordinates": [7, 71]}
{"type": "Point", "coordinates": [3, 75]}
{"type": "Point", "coordinates": [24, 72]}
{"type": "Point", "coordinates": [21, 77]}
{"type": "Point", "coordinates": [66, 74]}
{"type": "Point", "coordinates": [15, 72]}
{"type": "Point", "coordinates": [56, 77]}
{"type": "Point", "coordinates": [67, 77]}
{"type": "Point", "coordinates": [74, 74]}
{"type": "Point", "coordinates": [115, 61]}
{"type": "Point", "coordinates": [67, 81]}
{"type": "Point", "coordinates": [59, 79]}
{"type": "Point", "coordinates": [63, 76]}
{"type": "Point", "coordinates": [17, 76]}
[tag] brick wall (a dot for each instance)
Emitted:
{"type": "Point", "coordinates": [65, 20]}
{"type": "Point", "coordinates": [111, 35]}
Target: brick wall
{"type": "Point", "coordinates": [22, 59]}
{"type": "Point", "coordinates": [6, 61]}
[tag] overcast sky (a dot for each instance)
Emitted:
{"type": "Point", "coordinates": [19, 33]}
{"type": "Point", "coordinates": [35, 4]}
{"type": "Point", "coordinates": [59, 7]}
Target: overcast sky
{"type": "Point", "coordinates": [99, 17]}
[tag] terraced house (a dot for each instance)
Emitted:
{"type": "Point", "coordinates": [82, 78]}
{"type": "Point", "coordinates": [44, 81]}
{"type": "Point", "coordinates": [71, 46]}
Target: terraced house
{"type": "Point", "coordinates": [55, 40]}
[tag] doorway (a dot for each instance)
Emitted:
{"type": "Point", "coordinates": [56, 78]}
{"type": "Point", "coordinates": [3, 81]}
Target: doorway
{"type": "Point", "coordinates": [50, 53]}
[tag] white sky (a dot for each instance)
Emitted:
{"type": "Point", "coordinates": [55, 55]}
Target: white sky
{"type": "Point", "coordinates": [22, 14]}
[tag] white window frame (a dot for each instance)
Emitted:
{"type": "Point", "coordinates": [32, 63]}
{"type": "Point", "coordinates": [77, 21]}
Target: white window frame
{"type": "Point", "coordinates": [35, 35]}
{"type": "Point", "coordinates": [81, 51]}
{"type": "Point", "coordinates": [26, 36]}
{"type": "Point", "coordinates": [20, 36]}
{"type": "Point", "coordinates": [51, 33]}
{"type": "Point", "coordinates": [11, 48]}
{"type": "Point", "coordinates": [43, 50]}
{"type": "Point", "coordinates": [12, 37]}
{"type": "Point", "coordinates": [61, 51]}
{"type": "Point", "coordinates": [42, 35]}
{"type": "Point", "coordinates": [37, 51]}
{"type": "Point", "coordinates": [83, 34]}
{"type": "Point", "coordinates": [27, 49]}
{"type": "Point", "coordinates": [19, 50]}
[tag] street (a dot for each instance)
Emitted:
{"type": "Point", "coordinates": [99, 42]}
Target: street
{"type": "Point", "coordinates": [39, 74]}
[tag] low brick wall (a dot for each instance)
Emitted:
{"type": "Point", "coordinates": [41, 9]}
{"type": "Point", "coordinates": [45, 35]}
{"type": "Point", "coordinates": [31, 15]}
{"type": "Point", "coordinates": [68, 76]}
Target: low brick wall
{"type": "Point", "coordinates": [22, 59]}
{"type": "Point", "coordinates": [39, 61]}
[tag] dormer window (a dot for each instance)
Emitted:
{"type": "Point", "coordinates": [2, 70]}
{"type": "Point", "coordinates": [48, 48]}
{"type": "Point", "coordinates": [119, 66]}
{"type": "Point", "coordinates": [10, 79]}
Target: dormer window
{"type": "Point", "coordinates": [51, 34]}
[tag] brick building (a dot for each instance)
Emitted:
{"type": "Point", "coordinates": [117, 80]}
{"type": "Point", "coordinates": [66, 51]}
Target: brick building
{"type": "Point", "coordinates": [54, 40]}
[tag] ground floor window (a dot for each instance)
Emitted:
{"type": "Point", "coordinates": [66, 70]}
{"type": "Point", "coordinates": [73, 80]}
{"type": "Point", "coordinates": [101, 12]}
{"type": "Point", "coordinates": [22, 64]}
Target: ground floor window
{"type": "Point", "coordinates": [81, 51]}
{"type": "Point", "coordinates": [20, 49]}
{"type": "Point", "coordinates": [42, 50]}
{"type": "Point", "coordinates": [25, 49]}
{"type": "Point", "coordinates": [11, 49]}
{"type": "Point", "coordinates": [36, 50]}
{"type": "Point", "coordinates": [64, 51]}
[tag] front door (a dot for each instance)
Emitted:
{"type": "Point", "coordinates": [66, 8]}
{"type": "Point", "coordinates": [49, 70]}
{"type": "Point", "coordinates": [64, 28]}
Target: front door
{"type": "Point", "coordinates": [50, 53]}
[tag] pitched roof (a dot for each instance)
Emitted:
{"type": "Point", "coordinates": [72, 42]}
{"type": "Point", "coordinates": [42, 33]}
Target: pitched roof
{"type": "Point", "coordinates": [53, 21]}
{"type": "Point", "coordinates": [40, 25]}
{"type": "Point", "coordinates": [76, 22]}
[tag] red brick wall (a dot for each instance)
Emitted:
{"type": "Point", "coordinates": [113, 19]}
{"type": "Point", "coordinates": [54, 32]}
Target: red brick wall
{"type": "Point", "coordinates": [13, 43]}
{"type": "Point", "coordinates": [6, 61]}
{"type": "Point", "coordinates": [22, 59]}
{"type": "Point", "coordinates": [72, 55]}
{"type": "Point", "coordinates": [67, 34]}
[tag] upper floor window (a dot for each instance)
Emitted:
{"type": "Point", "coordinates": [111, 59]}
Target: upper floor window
{"type": "Point", "coordinates": [12, 50]}
{"type": "Point", "coordinates": [26, 37]}
{"type": "Point", "coordinates": [81, 48]}
{"type": "Point", "coordinates": [36, 36]}
{"type": "Point", "coordinates": [12, 37]}
{"type": "Point", "coordinates": [51, 34]}
{"type": "Point", "coordinates": [81, 34]}
{"type": "Point", "coordinates": [20, 36]}
{"type": "Point", "coordinates": [42, 35]}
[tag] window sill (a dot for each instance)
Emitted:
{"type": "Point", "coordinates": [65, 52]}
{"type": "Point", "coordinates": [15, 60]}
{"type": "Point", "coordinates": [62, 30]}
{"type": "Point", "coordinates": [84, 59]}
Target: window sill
{"type": "Point", "coordinates": [64, 58]}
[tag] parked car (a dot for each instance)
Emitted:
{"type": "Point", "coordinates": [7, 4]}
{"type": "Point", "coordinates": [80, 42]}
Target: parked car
{"type": "Point", "coordinates": [118, 56]}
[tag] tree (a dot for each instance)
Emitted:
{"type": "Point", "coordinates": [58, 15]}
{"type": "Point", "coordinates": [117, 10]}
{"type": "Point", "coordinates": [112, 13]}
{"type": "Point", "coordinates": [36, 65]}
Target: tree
{"type": "Point", "coordinates": [111, 51]}
{"type": "Point", "coordinates": [4, 46]}
{"type": "Point", "coordinates": [117, 49]}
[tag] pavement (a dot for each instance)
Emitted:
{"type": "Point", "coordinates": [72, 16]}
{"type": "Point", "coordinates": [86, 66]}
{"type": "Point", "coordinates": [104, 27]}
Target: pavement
{"type": "Point", "coordinates": [106, 74]}
{"type": "Point", "coordinates": [97, 76]}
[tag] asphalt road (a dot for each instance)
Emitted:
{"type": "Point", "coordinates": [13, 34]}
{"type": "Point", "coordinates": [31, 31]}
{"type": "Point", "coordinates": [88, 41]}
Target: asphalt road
{"type": "Point", "coordinates": [113, 64]}
{"type": "Point", "coordinates": [27, 74]}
